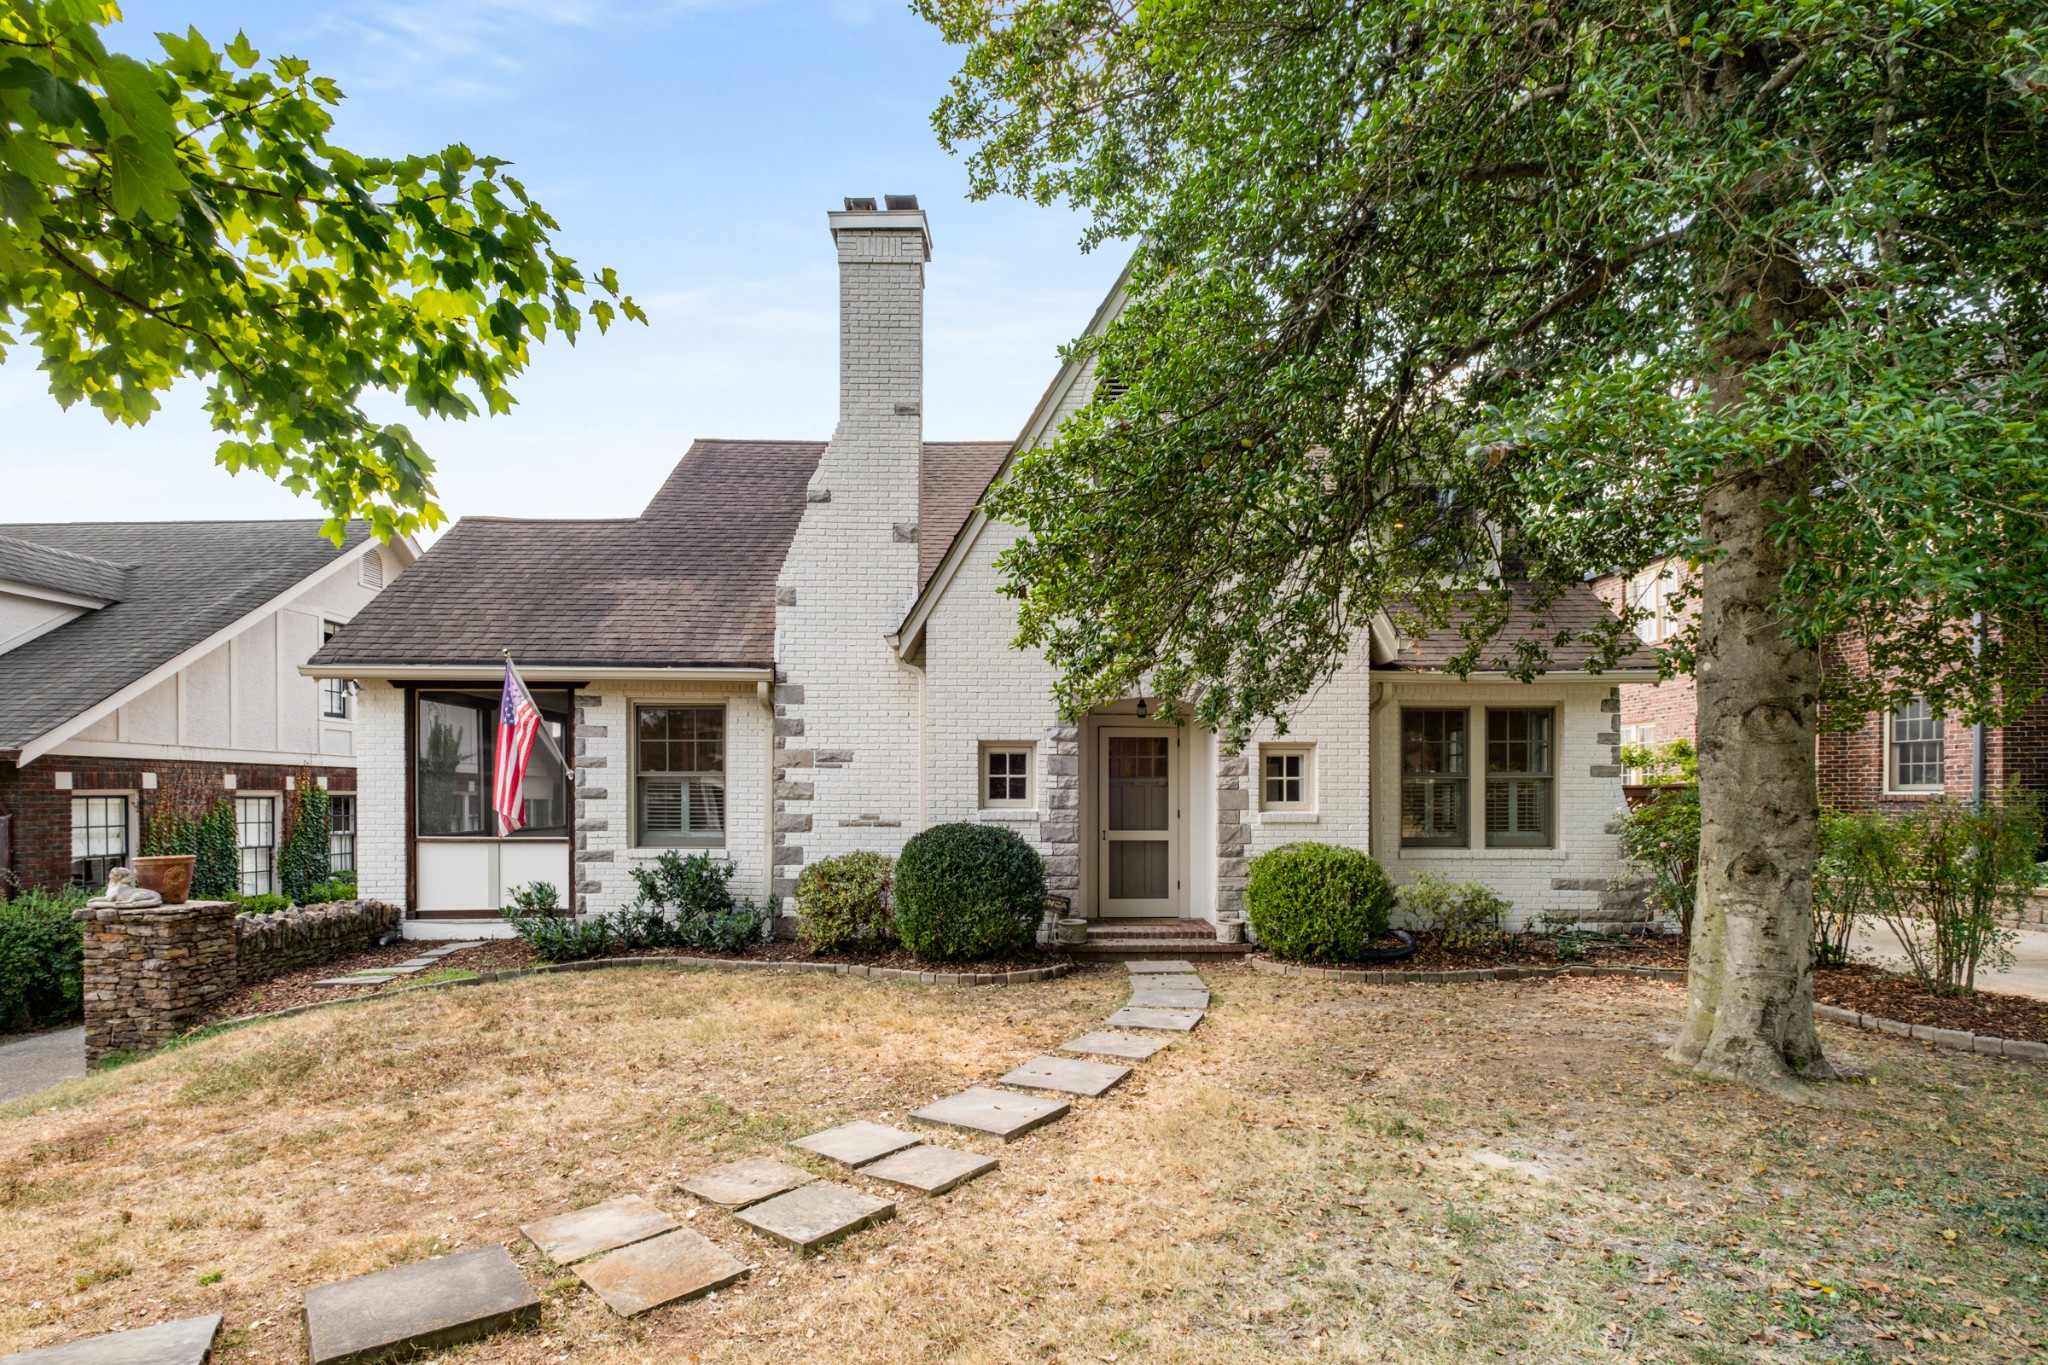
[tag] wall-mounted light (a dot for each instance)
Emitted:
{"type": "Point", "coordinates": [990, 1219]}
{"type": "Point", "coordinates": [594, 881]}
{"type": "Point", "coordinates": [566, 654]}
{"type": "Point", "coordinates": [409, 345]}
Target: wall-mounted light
{"type": "Point", "coordinates": [1141, 708]}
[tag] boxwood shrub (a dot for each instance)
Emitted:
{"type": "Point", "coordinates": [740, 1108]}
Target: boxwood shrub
{"type": "Point", "coordinates": [843, 902]}
{"type": "Point", "coordinates": [967, 891]}
{"type": "Point", "coordinates": [42, 954]}
{"type": "Point", "coordinates": [1317, 902]}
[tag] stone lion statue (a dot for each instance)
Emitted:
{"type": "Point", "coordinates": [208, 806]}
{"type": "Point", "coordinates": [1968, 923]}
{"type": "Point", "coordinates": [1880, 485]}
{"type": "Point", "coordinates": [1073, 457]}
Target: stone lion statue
{"type": "Point", "coordinates": [123, 894]}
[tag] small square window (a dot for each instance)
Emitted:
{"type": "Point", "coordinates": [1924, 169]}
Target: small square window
{"type": "Point", "coordinates": [1286, 773]}
{"type": "Point", "coordinates": [1006, 776]}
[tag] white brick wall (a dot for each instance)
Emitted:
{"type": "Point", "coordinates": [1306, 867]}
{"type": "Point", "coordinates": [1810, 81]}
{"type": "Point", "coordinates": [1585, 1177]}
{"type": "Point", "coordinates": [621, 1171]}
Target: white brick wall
{"type": "Point", "coordinates": [380, 793]}
{"type": "Point", "coordinates": [1586, 855]}
{"type": "Point", "coordinates": [605, 853]}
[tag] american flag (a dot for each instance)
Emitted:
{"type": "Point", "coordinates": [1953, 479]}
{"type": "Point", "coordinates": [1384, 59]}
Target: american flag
{"type": "Point", "coordinates": [518, 722]}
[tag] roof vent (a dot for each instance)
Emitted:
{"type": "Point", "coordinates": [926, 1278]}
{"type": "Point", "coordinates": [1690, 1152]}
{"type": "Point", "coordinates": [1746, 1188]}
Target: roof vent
{"type": "Point", "coordinates": [854, 205]}
{"type": "Point", "coordinates": [897, 203]}
{"type": "Point", "coordinates": [373, 570]}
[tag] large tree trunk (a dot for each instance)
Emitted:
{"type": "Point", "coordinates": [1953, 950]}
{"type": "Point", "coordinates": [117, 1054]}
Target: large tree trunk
{"type": "Point", "coordinates": [1749, 1013]}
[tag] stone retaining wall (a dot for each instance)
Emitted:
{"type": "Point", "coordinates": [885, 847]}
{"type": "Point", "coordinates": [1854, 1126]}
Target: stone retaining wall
{"type": "Point", "coordinates": [150, 974]}
{"type": "Point", "coordinates": [268, 944]}
{"type": "Point", "coordinates": [2034, 914]}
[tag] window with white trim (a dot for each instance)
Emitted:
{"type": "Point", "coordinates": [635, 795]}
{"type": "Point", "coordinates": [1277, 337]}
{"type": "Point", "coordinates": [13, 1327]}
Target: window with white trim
{"type": "Point", "coordinates": [1286, 777]}
{"type": "Point", "coordinates": [256, 843]}
{"type": "Point", "coordinates": [678, 776]}
{"type": "Point", "coordinates": [99, 838]}
{"type": "Point", "coordinates": [1654, 594]}
{"type": "Point", "coordinates": [1914, 756]}
{"type": "Point", "coordinates": [1435, 778]}
{"type": "Point", "coordinates": [1006, 776]}
{"type": "Point", "coordinates": [1521, 767]}
{"type": "Point", "coordinates": [341, 833]}
{"type": "Point", "coordinates": [337, 695]}
{"type": "Point", "coordinates": [1645, 735]}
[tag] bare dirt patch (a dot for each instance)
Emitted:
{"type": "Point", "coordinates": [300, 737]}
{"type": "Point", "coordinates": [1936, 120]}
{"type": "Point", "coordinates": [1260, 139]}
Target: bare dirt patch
{"type": "Point", "coordinates": [1323, 1171]}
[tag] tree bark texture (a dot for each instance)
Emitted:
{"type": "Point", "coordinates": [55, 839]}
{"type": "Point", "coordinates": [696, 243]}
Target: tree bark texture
{"type": "Point", "coordinates": [1749, 1012]}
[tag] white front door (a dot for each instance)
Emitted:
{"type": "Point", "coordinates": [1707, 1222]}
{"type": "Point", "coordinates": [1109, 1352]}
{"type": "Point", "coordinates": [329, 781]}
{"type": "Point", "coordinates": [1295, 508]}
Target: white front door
{"type": "Point", "coordinates": [1137, 806]}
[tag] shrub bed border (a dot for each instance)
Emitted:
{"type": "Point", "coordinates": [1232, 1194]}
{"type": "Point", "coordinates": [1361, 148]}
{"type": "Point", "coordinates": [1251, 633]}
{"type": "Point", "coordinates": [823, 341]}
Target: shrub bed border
{"type": "Point", "coordinates": [1956, 1040]}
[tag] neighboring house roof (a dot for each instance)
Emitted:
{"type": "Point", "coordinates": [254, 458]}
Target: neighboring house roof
{"type": "Point", "coordinates": [38, 565]}
{"type": "Point", "coordinates": [1575, 612]}
{"type": "Point", "coordinates": [951, 480]}
{"type": "Point", "coordinates": [170, 585]}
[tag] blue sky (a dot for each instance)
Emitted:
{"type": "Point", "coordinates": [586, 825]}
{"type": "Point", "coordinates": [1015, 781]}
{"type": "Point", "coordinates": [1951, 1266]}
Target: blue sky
{"type": "Point", "coordinates": [694, 145]}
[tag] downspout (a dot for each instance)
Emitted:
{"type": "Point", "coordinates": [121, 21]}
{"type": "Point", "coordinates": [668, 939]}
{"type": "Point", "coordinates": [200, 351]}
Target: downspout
{"type": "Point", "coordinates": [765, 694]}
{"type": "Point", "coordinates": [1977, 730]}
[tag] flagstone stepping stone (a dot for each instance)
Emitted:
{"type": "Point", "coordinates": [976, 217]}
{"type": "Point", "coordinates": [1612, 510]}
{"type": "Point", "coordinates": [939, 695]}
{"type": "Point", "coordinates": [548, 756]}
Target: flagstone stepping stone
{"type": "Point", "coordinates": [1169, 981]}
{"type": "Point", "coordinates": [808, 1218]}
{"type": "Point", "coordinates": [1169, 1000]}
{"type": "Point", "coordinates": [187, 1342]}
{"type": "Point", "coordinates": [857, 1143]}
{"type": "Point", "coordinates": [980, 1109]}
{"type": "Point", "coordinates": [418, 1307]}
{"type": "Point", "coordinates": [570, 1237]}
{"type": "Point", "coordinates": [1171, 1021]}
{"type": "Point", "coordinates": [446, 949]}
{"type": "Point", "coordinates": [1158, 967]}
{"type": "Point", "coordinates": [1134, 1047]}
{"type": "Point", "coordinates": [676, 1265]}
{"type": "Point", "coordinates": [931, 1170]}
{"type": "Point", "coordinates": [749, 1181]}
{"type": "Point", "coordinates": [1068, 1075]}
{"type": "Point", "coordinates": [354, 981]}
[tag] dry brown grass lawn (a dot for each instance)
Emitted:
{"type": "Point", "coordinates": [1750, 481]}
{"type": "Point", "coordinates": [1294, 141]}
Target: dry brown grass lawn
{"type": "Point", "coordinates": [1321, 1172]}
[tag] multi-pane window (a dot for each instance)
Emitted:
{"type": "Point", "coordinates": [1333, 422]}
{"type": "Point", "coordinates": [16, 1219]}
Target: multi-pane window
{"type": "Point", "coordinates": [99, 838]}
{"type": "Point", "coordinates": [1915, 757]}
{"type": "Point", "coordinates": [1284, 776]}
{"type": "Point", "coordinates": [1520, 774]}
{"type": "Point", "coordinates": [1006, 777]}
{"type": "Point", "coordinates": [256, 842]}
{"type": "Point", "coordinates": [1435, 778]}
{"type": "Point", "coordinates": [341, 834]}
{"type": "Point", "coordinates": [1654, 595]}
{"type": "Point", "coordinates": [679, 775]}
{"type": "Point", "coordinates": [1644, 735]}
{"type": "Point", "coordinates": [335, 694]}
{"type": "Point", "coordinates": [455, 754]}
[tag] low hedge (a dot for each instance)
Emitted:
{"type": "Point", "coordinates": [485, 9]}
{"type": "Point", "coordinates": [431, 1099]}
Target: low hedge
{"type": "Point", "coordinates": [843, 902]}
{"type": "Point", "coordinates": [1317, 902]}
{"type": "Point", "coordinates": [966, 892]}
{"type": "Point", "coordinates": [42, 960]}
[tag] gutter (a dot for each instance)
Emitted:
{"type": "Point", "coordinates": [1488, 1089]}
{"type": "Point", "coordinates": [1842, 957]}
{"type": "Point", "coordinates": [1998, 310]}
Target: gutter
{"type": "Point", "coordinates": [540, 673]}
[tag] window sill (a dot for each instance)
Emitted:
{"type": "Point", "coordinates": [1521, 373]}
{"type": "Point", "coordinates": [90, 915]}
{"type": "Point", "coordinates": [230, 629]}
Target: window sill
{"type": "Point", "coordinates": [1531, 855]}
{"type": "Point", "coordinates": [656, 850]}
{"type": "Point", "coordinates": [1022, 814]}
{"type": "Point", "coordinates": [1915, 794]}
{"type": "Point", "coordinates": [1286, 817]}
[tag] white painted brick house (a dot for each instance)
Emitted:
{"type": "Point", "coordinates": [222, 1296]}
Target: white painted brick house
{"type": "Point", "coordinates": [799, 649]}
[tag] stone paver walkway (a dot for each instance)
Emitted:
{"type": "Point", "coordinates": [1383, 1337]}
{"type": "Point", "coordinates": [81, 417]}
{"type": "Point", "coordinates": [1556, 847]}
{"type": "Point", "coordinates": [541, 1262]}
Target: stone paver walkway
{"type": "Point", "coordinates": [808, 1218]}
{"type": "Point", "coordinates": [570, 1237]}
{"type": "Point", "coordinates": [373, 976]}
{"type": "Point", "coordinates": [418, 1307]}
{"type": "Point", "coordinates": [1068, 1075]}
{"type": "Point", "coordinates": [168, 1343]}
{"type": "Point", "coordinates": [998, 1113]}
{"type": "Point", "coordinates": [740, 1183]}
{"type": "Point", "coordinates": [39, 1061]}
{"type": "Point", "coordinates": [666, 1269]}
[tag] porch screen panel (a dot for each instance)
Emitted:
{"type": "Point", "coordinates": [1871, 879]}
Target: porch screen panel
{"type": "Point", "coordinates": [679, 758]}
{"type": "Point", "coordinates": [1435, 778]}
{"type": "Point", "coordinates": [456, 753]}
{"type": "Point", "coordinates": [1140, 800]}
{"type": "Point", "coordinates": [1520, 763]}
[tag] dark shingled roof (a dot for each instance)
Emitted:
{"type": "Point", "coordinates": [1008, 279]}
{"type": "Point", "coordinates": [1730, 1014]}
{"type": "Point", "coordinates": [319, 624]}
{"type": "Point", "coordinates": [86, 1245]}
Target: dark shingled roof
{"type": "Point", "coordinates": [952, 479]}
{"type": "Point", "coordinates": [688, 583]}
{"type": "Point", "coordinates": [46, 566]}
{"type": "Point", "coordinates": [178, 582]}
{"type": "Point", "coordinates": [1577, 609]}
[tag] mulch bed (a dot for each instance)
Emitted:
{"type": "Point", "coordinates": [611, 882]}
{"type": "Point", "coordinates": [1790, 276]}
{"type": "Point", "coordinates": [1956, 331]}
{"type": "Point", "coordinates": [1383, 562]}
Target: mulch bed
{"type": "Point", "coordinates": [1887, 995]}
{"type": "Point", "coordinates": [1540, 950]}
{"type": "Point", "coordinates": [794, 950]}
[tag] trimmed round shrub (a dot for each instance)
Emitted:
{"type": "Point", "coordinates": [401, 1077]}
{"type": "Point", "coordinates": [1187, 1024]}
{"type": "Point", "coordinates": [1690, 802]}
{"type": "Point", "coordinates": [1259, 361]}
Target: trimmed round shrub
{"type": "Point", "coordinates": [843, 902]}
{"type": "Point", "coordinates": [1317, 902]}
{"type": "Point", "coordinates": [968, 891]}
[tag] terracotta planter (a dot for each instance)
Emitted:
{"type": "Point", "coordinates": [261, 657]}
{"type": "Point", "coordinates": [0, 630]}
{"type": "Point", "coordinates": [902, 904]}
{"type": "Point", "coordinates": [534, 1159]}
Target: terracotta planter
{"type": "Point", "coordinates": [169, 876]}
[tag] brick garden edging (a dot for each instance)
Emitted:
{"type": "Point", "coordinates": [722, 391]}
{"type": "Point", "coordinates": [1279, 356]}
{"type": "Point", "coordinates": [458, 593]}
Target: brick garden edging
{"type": "Point", "coordinates": [1956, 1039]}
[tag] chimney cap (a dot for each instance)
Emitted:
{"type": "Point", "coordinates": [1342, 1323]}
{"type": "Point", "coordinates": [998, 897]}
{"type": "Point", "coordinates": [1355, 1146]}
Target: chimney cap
{"type": "Point", "coordinates": [854, 205]}
{"type": "Point", "coordinates": [897, 203]}
{"type": "Point", "coordinates": [900, 214]}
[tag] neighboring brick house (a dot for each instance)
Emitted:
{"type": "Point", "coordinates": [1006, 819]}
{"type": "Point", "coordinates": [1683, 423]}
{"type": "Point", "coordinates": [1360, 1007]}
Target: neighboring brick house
{"type": "Point", "coordinates": [800, 649]}
{"type": "Point", "coordinates": [1889, 762]}
{"type": "Point", "coordinates": [146, 663]}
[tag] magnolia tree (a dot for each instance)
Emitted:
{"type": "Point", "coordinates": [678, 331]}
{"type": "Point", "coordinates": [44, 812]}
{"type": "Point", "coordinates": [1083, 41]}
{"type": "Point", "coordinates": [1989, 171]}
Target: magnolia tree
{"type": "Point", "coordinates": [187, 218]}
{"type": "Point", "coordinates": [1440, 307]}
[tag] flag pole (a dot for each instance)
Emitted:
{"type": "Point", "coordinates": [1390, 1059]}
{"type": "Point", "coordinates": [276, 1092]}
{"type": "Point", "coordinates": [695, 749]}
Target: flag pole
{"type": "Point", "coordinates": [541, 730]}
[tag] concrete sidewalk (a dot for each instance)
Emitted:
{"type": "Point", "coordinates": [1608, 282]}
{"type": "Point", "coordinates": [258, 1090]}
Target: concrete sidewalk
{"type": "Point", "coordinates": [2027, 976]}
{"type": "Point", "coordinates": [39, 1061]}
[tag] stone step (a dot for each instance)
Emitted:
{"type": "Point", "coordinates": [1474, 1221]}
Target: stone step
{"type": "Point", "coordinates": [1143, 998]}
{"type": "Point", "coordinates": [748, 1181]}
{"type": "Point", "coordinates": [1134, 1047]}
{"type": "Point", "coordinates": [186, 1342]}
{"type": "Point", "coordinates": [568, 1238]}
{"type": "Point", "coordinates": [670, 1268]}
{"type": "Point", "coordinates": [1169, 1021]}
{"type": "Point", "coordinates": [418, 1307]}
{"type": "Point", "coordinates": [999, 1113]}
{"type": "Point", "coordinates": [808, 1218]}
{"type": "Point", "coordinates": [930, 1170]}
{"type": "Point", "coordinates": [1067, 1075]}
{"type": "Point", "coordinates": [857, 1143]}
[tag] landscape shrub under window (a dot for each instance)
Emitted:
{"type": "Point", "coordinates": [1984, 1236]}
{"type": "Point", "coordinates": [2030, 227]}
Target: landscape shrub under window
{"type": "Point", "coordinates": [42, 955]}
{"type": "Point", "coordinates": [843, 902]}
{"type": "Point", "coordinates": [1317, 902]}
{"type": "Point", "coordinates": [966, 892]}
